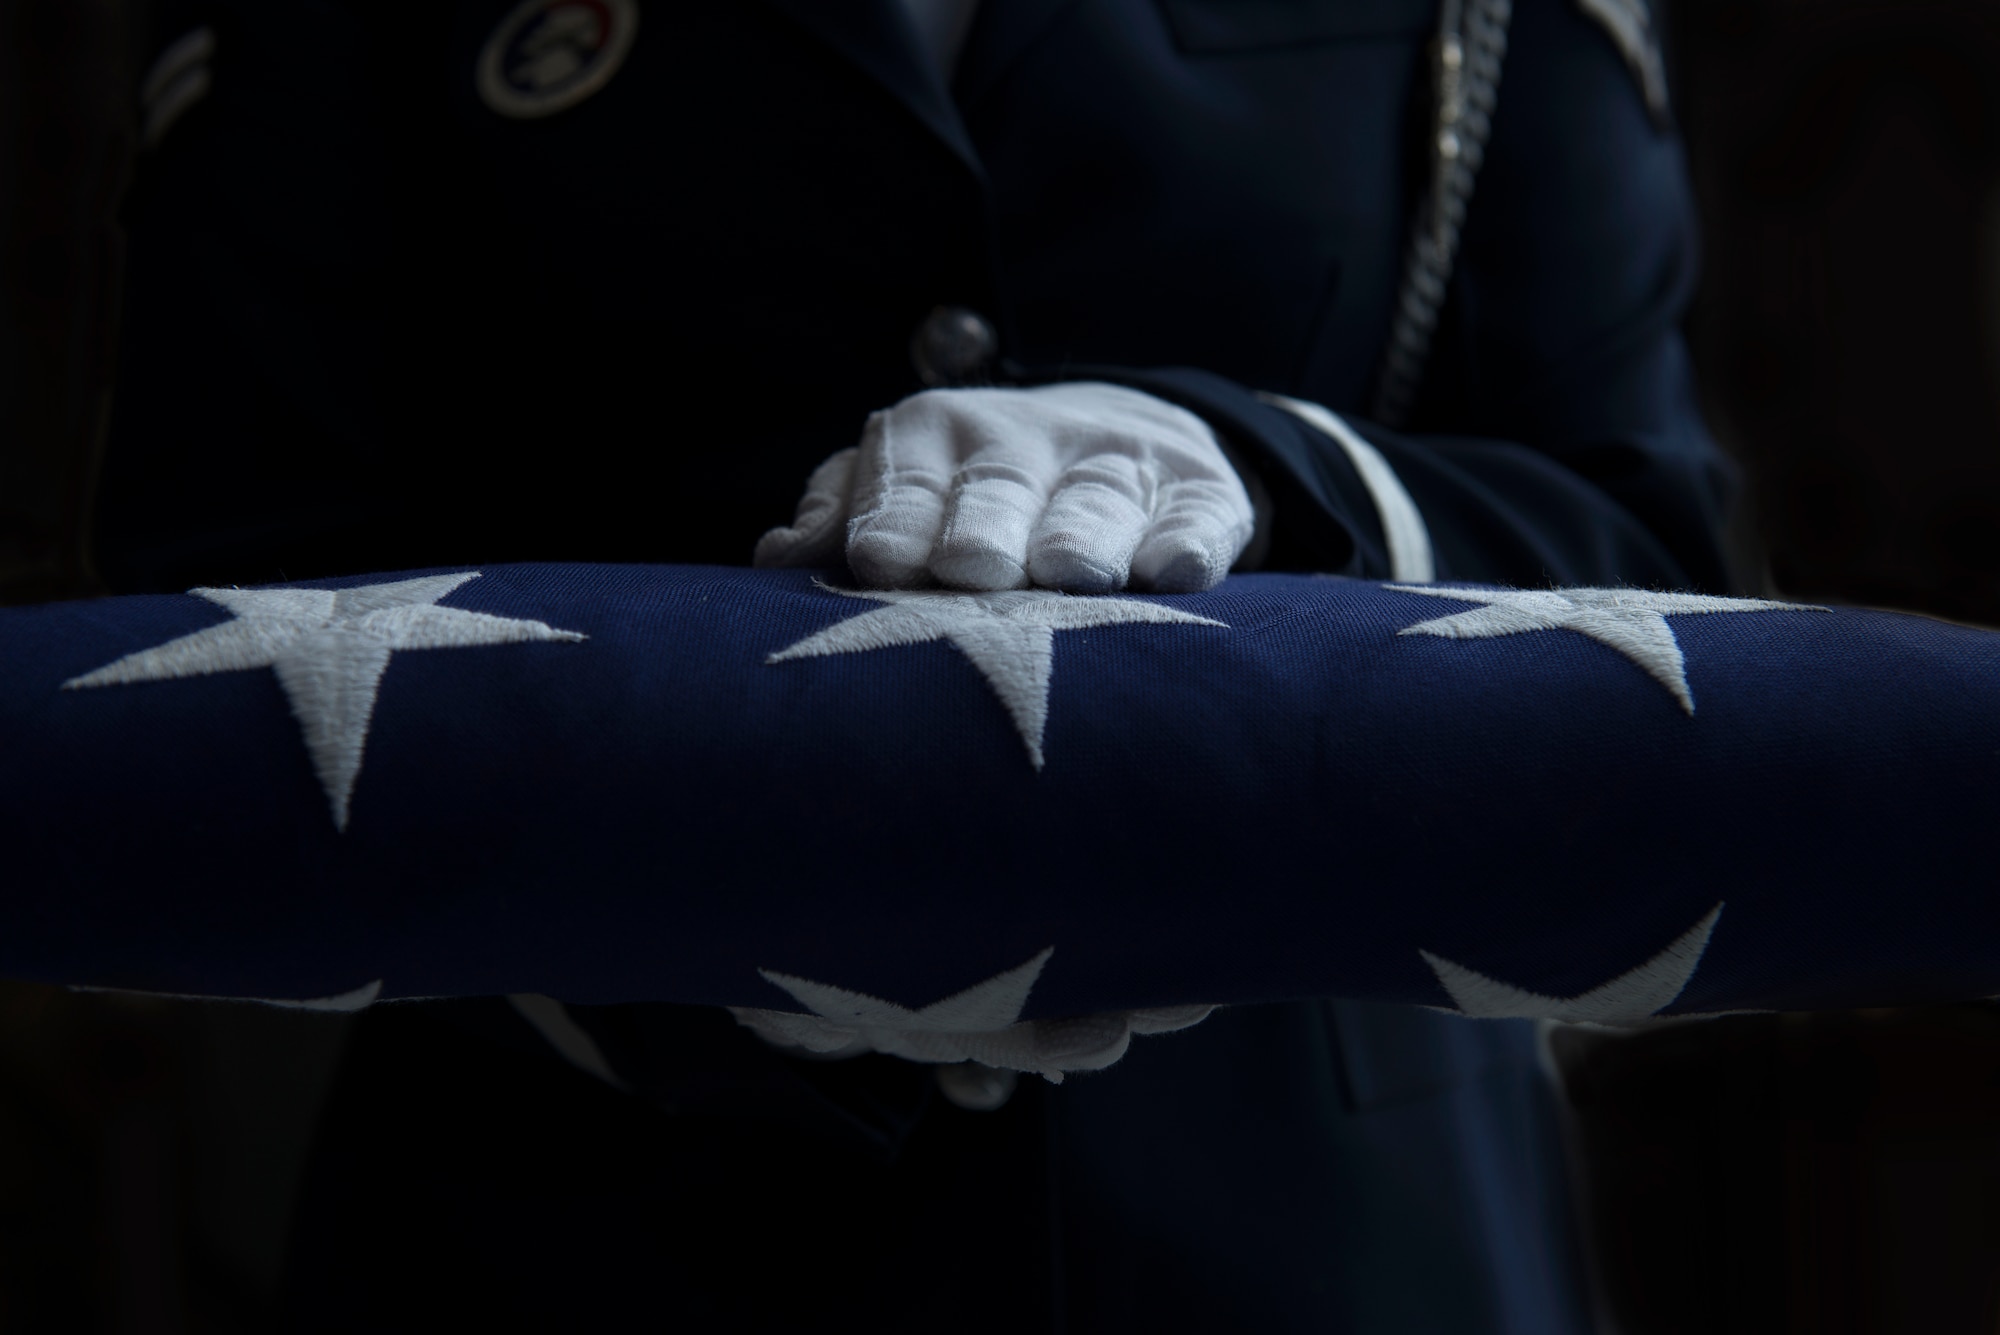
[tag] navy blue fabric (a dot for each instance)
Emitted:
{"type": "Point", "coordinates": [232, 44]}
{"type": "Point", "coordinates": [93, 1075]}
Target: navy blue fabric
{"type": "Point", "coordinates": [1291, 1188]}
{"type": "Point", "coordinates": [1290, 805]}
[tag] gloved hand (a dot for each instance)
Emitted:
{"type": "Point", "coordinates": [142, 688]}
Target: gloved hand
{"type": "Point", "coordinates": [1087, 487]}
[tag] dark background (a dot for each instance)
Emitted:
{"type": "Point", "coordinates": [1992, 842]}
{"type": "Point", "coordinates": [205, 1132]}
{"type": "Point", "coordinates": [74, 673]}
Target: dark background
{"type": "Point", "coordinates": [1846, 157]}
{"type": "Point", "coordinates": [1824, 1173]}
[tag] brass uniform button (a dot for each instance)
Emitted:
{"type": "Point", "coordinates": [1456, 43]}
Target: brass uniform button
{"type": "Point", "coordinates": [952, 346]}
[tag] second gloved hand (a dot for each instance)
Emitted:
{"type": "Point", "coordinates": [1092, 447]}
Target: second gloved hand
{"type": "Point", "coordinates": [1088, 487]}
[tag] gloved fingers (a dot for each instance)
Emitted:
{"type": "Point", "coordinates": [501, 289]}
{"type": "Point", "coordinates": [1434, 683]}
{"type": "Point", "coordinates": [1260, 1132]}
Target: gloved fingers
{"type": "Point", "coordinates": [994, 504]}
{"type": "Point", "coordinates": [903, 475]}
{"type": "Point", "coordinates": [1101, 510]}
{"type": "Point", "coordinates": [1000, 442]}
{"type": "Point", "coordinates": [1199, 529]}
{"type": "Point", "coordinates": [819, 526]}
{"type": "Point", "coordinates": [1080, 486]}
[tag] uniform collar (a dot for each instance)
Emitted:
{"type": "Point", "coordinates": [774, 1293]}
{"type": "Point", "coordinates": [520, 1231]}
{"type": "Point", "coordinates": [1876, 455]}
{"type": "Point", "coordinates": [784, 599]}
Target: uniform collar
{"type": "Point", "coordinates": [878, 37]}
{"type": "Point", "coordinates": [1001, 33]}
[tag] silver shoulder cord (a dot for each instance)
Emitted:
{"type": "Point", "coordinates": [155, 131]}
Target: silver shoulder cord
{"type": "Point", "coordinates": [1465, 66]}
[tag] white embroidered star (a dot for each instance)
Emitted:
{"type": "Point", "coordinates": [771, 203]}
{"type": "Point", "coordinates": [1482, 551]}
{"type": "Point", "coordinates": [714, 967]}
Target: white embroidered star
{"type": "Point", "coordinates": [329, 648]}
{"type": "Point", "coordinates": [983, 1024]}
{"type": "Point", "coordinates": [1626, 1000]}
{"type": "Point", "coordinates": [1010, 637]}
{"type": "Point", "coordinates": [843, 1020]}
{"type": "Point", "coordinates": [1632, 621]}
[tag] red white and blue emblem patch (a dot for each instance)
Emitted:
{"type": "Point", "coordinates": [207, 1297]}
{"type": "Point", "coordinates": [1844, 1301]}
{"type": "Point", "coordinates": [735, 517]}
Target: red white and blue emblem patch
{"type": "Point", "coordinates": [548, 55]}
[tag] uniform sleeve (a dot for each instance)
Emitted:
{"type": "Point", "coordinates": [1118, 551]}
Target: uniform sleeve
{"type": "Point", "coordinates": [1557, 438]}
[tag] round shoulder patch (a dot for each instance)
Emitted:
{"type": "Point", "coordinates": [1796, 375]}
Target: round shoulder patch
{"type": "Point", "coordinates": [548, 55]}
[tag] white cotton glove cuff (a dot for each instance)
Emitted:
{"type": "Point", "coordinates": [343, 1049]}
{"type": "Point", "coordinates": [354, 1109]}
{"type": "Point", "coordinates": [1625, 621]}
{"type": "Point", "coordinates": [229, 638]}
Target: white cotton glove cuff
{"type": "Point", "coordinates": [1087, 486]}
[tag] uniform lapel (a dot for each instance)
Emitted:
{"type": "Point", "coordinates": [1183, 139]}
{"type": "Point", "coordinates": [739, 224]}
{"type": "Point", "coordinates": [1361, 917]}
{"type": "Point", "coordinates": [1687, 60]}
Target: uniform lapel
{"type": "Point", "coordinates": [1001, 33]}
{"type": "Point", "coordinates": [877, 36]}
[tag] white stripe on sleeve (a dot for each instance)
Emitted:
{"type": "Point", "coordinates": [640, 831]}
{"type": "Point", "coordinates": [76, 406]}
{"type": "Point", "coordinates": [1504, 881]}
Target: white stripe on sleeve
{"type": "Point", "coordinates": [1410, 559]}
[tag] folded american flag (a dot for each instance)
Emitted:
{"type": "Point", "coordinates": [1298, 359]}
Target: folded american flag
{"type": "Point", "coordinates": [852, 812]}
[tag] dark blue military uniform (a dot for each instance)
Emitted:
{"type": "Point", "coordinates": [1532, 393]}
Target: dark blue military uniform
{"type": "Point", "coordinates": [376, 322]}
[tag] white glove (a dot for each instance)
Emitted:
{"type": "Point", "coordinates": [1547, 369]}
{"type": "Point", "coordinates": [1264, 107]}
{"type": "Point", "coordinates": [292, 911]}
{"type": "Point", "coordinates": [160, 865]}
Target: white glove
{"type": "Point", "coordinates": [1087, 487]}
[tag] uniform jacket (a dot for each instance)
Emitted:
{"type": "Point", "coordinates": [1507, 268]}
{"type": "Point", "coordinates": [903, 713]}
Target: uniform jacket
{"type": "Point", "coordinates": [372, 325]}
